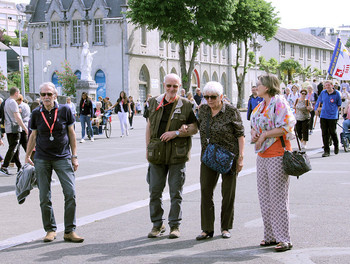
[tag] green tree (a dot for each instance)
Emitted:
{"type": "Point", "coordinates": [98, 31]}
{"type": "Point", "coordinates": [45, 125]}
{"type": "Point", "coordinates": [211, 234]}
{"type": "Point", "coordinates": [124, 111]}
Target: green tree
{"type": "Point", "coordinates": [289, 68]}
{"type": "Point", "coordinates": [67, 79]}
{"type": "Point", "coordinates": [269, 66]}
{"type": "Point", "coordinates": [305, 73]}
{"type": "Point", "coordinates": [347, 43]}
{"type": "Point", "coordinates": [252, 17]}
{"type": "Point", "coordinates": [14, 78]}
{"type": "Point", "coordinates": [185, 22]}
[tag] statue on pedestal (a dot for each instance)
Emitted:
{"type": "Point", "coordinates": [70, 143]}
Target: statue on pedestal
{"type": "Point", "coordinates": [86, 62]}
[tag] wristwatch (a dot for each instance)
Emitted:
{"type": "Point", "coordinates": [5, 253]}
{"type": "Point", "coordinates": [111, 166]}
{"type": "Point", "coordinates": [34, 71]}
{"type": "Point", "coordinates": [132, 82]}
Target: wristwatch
{"type": "Point", "coordinates": [177, 133]}
{"type": "Point", "coordinates": [74, 156]}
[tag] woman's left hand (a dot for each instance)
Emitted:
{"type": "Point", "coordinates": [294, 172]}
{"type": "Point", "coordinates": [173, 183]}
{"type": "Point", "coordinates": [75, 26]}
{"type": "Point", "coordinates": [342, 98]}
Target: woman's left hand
{"type": "Point", "coordinates": [239, 164]}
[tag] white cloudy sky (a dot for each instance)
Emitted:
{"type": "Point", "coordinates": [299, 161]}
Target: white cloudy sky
{"type": "Point", "coordinates": [305, 13]}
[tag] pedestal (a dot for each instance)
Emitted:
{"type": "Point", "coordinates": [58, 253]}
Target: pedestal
{"type": "Point", "coordinates": [89, 87]}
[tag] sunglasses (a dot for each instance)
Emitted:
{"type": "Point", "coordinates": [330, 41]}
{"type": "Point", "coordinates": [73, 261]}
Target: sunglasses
{"type": "Point", "coordinates": [174, 85]}
{"type": "Point", "coordinates": [304, 93]}
{"type": "Point", "coordinates": [44, 94]}
{"type": "Point", "coordinates": [212, 97]}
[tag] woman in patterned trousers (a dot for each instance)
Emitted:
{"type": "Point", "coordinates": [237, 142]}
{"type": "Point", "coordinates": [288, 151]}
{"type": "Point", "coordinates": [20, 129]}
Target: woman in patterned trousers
{"type": "Point", "coordinates": [270, 120]}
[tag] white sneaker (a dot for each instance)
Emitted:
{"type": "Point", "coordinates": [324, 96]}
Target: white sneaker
{"type": "Point", "coordinates": [92, 139]}
{"type": "Point", "coordinates": [82, 140]}
{"type": "Point", "coordinates": [122, 136]}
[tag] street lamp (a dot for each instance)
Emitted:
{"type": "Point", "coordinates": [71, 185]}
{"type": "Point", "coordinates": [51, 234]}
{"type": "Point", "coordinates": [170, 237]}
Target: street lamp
{"type": "Point", "coordinates": [46, 68]}
{"type": "Point", "coordinates": [256, 46]}
{"type": "Point", "coordinates": [21, 8]}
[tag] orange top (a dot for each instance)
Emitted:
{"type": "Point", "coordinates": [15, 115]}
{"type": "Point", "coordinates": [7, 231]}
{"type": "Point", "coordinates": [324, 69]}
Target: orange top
{"type": "Point", "coordinates": [276, 149]}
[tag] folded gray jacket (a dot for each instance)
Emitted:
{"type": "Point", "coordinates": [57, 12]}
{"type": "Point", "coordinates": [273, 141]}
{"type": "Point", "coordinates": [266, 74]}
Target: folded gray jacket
{"type": "Point", "coordinates": [25, 182]}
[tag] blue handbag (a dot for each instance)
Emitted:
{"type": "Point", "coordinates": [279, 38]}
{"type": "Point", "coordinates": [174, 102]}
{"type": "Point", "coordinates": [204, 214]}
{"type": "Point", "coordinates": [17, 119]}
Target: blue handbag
{"type": "Point", "coordinates": [216, 157]}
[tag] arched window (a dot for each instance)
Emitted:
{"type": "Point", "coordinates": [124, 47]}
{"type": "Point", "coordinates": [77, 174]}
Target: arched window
{"type": "Point", "coordinates": [54, 80]}
{"type": "Point", "coordinates": [78, 74]}
{"type": "Point", "coordinates": [205, 78]}
{"type": "Point", "coordinates": [143, 83]}
{"type": "Point", "coordinates": [215, 77]}
{"type": "Point", "coordinates": [161, 79]}
{"type": "Point", "coordinates": [100, 79]}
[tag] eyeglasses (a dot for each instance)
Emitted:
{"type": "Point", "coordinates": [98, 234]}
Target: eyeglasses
{"type": "Point", "coordinates": [212, 97]}
{"type": "Point", "coordinates": [44, 94]}
{"type": "Point", "coordinates": [174, 85]}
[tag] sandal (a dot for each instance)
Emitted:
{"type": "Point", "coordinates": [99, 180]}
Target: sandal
{"type": "Point", "coordinates": [264, 243]}
{"type": "Point", "coordinates": [283, 246]}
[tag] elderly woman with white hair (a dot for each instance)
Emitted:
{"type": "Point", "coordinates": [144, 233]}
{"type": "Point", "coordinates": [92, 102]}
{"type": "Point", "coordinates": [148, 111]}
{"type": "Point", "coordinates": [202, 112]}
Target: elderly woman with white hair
{"type": "Point", "coordinates": [224, 125]}
{"type": "Point", "coordinates": [97, 120]}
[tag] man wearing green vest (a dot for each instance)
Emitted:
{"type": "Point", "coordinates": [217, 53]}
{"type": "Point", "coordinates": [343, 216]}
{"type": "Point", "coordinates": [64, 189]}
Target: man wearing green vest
{"type": "Point", "coordinates": [168, 150]}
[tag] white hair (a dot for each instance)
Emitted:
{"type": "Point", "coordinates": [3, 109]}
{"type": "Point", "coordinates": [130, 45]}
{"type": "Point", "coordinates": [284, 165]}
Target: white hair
{"type": "Point", "coordinates": [49, 84]}
{"type": "Point", "coordinates": [213, 88]}
{"type": "Point", "coordinates": [174, 76]}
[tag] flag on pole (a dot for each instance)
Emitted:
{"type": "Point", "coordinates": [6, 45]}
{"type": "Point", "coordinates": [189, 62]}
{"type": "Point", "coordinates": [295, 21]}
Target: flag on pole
{"type": "Point", "coordinates": [339, 67]}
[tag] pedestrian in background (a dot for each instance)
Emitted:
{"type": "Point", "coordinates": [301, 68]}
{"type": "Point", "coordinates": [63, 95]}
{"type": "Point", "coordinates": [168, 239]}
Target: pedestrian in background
{"type": "Point", "coordinates": [122, 108]}
{"type": "Point", "coordinates": [253, 101]}
{"type": "Point", "coordinates": [271, 120]}
{"type": "Point", "coordinates": [13, 128]}
{"type": "Point", "coordinates": [24, 110]}
{"type": "Point", "coordinates": [312, 97]}
{"type": "Point", "coordinates": [133, 111]}
{"type": "Point", "coordinates": [86, 112]}
{"type": "Point", "coordinates": [53, 137]}
{"type": "Point", "coordinates": [327, 107]}
{"type": "Point", "coordinates": [71, 106]}
{"type": "Point", "coordinates": [302, 114]}
{"type": "Point", "coordinates": [223, 123]}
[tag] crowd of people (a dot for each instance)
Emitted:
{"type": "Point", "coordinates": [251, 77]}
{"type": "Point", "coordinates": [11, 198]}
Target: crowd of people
{"type": "Point", "coordinates": [47, 134]}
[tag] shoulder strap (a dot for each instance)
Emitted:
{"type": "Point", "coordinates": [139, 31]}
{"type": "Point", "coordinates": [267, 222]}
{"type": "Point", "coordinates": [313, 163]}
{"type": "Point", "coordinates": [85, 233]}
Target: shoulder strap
{"type": "Point", "coordinates": [171, 113]}
{"type": "Point", "coordinates": [207, 127]}
{"type": "Point", "coordinates": [296, 101]}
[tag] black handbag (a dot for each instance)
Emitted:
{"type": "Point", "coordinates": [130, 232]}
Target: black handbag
{"type": "Point", "coordinates": [297, 162]}
{"type": "Point", "coordinates": [216, 157]}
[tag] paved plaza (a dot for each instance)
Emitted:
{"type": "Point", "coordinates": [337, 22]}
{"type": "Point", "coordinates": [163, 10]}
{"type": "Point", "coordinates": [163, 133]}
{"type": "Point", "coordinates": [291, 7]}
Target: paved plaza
{"type": "Point", "coordinates": [113, 216]}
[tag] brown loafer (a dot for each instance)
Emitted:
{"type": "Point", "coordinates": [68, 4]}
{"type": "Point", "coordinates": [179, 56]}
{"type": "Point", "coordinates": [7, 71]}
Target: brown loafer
{"type": "Point", "coordinates": [50, 236]}
{"type": "Point", "coordinates": [73, 237]}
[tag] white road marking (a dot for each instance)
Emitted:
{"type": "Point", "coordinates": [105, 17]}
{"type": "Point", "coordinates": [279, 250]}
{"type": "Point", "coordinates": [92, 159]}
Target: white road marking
{"type": "Point", "coordinates": [37, 234]}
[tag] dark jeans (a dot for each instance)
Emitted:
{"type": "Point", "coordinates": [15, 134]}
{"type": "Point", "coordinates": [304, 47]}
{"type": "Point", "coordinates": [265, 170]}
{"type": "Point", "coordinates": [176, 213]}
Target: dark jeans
{"type": "Point", "coordinates": [23, 142]}
{"type": "Point", "coordinates": [131, 117]}
{"type": "Point", "coordinates": [156, 178]}
{"type": "Point", "coordinates": [65, 173]}
{"type": "Point", "coordinates": [13, 150]}
{"type": "Point", "coordinates": [208, 181]}
{"type": "Point", "coordinates": [302, 129]}
{"type": "Point", "coordinates": [329, 129]}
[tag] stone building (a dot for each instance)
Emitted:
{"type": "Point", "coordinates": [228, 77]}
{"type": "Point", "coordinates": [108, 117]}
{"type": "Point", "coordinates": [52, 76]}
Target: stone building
{"type": "Point", "coordinates": [129, 58]}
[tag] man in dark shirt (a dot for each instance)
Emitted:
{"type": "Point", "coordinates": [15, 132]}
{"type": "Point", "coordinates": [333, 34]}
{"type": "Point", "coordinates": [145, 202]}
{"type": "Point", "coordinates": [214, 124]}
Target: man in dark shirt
{"type": "Point", "coordinates": [198, 96]}
{"type": "Point", "coordinates": [253, 101]}
{"type": "Point", "coordinates": [54, 139]}
{"type": "Point", "coordinates": [167, 114]}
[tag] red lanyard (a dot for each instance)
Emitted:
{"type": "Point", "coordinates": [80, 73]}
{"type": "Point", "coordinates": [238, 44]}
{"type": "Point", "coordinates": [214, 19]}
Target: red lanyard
{"type": "Point", "coordinates": [47, 123]}
{"type": "Point", "coordinates": [161, 103]}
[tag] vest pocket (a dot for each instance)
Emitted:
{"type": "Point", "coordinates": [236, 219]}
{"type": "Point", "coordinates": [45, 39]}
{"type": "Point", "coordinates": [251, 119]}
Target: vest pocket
{"type": "Point", "coordinates": [181, 148]}
{"type": "Point", "coordinates": [156, 151]}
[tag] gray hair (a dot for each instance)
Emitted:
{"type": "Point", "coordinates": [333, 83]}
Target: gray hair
{"type": "Point", "coordinates": [213, 88]}
{"type": "Point", "coordinates": [49, 84]}
{"type": "Point", "coordinates": [98, 103]}
{"type": "Point", "coordinates": [173, 75]}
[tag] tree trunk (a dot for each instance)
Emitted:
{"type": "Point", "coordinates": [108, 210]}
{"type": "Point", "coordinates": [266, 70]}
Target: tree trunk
{"type": "Point", "coordinates": [241, 78]}
{"type": "Point", "coordinates": [187, 74]}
